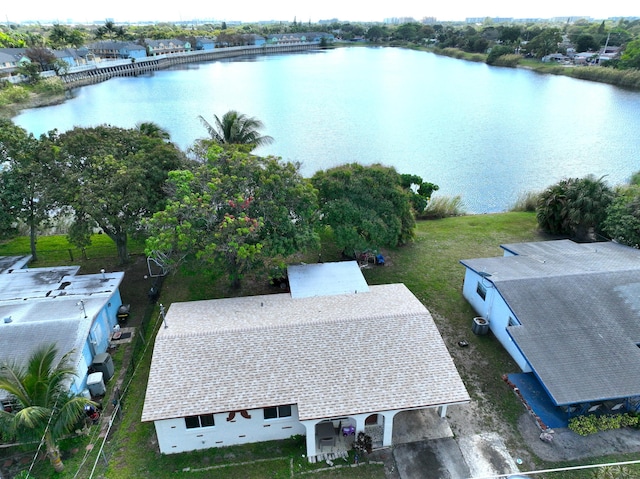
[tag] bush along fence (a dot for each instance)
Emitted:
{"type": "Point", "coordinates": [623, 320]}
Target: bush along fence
{"type": "Point", "coordinates": [591, 424]}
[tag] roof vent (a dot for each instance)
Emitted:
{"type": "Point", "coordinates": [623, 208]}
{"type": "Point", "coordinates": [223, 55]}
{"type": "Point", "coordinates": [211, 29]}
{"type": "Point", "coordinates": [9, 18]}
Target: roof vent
{"type": "Point", "coordinates": [7, 320]}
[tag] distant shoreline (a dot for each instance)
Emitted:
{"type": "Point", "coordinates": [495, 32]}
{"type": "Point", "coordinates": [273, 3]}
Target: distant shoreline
{"type": "Point", "coordinates": [629, 79]}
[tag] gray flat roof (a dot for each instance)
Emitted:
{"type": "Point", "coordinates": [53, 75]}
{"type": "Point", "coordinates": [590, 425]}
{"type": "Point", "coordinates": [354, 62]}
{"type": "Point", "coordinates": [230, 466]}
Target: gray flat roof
{"type": "Point", "coordinates": [50, 305]}
{"type": "Point", "coordinates": [333, 356]}
{"type": "Point", "coordinates": [579, 309]}
{"type": "Point", "coordinates": [326, 279]}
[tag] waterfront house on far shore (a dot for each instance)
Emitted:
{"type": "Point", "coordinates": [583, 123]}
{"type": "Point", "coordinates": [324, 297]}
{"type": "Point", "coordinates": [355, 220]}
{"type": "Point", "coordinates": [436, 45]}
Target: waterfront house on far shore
{"type": "Point", "coordinates": [117, 50]}
{"type": "Point", "coordinates": [168, 46]}
{"type": "Point", "coordinates": [293, 38]}
{"type": "Point", "coordinates": [10, 59]}
{"type": "Point", "coordinates": [205, 44]}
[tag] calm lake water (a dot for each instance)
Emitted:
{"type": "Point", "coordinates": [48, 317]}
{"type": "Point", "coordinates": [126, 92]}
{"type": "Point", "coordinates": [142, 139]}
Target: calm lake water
{"type": "Point", "coordinates": [485, 133]}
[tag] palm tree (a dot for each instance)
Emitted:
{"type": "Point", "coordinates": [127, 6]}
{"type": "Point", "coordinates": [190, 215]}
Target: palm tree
{"type": "Point", "coordinates": [45, 408]}
{"type": "Point", "coordinates": [236, 129]}
{"type": "Point", "coordinates": [153, 130]}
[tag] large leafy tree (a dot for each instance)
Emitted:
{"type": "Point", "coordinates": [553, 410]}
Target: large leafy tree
{"type": "Point", "coordinates": [420, 191]}
{"type": "Point", "coordinates": [575, 207]}
{"type": "Point", "coordinates": [631, 56]}
{"type": "Point", "coordinates": [235, 213]}
{"type": "Point", "coordinates": [115, 178]}
{"type": "Point", "coordinates": [236, 128]}
{"type": "Point", "coordinates": [623, 214]}
{"type": "Point", "coordinates": [366, 206]}
{"type": "Point", "coordinates": [45, 408]}
{"type": "Point", "coordinates": [42, 56]}
{"type": "Point", "coordinates": [545, 43]}
{"type": "Point", "coordinates": [28, 179]}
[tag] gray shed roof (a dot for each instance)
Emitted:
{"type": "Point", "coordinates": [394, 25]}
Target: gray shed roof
{"type": "Point", "coordinates": [325, 279]}
{"type": "Point", "coordinates": [333, 356]}
{"type": "Point", "coordinates": [579, 309]}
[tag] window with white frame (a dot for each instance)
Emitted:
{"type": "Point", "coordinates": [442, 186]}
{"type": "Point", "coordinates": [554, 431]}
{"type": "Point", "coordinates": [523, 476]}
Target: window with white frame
{"type": "Point", "coordinates": [277, 412]}
{"type": "Point", "coordinates": [203, 420]}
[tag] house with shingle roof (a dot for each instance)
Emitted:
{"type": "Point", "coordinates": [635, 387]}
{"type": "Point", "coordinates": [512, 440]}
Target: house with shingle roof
{"type": "Point", "coordinates": [327, 361]}
{"type": "Point", "coordinates": [40, 306]}
{"type": "Point", "coordinates": [117, 50]}
{"type": "Point", "coordinates": [568, 313]}
{"type": "Point", "coordinates": [167, 46]}
{"type": "Point", "coordinates": [11, 58]}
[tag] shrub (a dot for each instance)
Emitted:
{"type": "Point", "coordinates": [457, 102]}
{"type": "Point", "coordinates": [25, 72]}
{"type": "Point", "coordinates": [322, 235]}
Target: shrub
{"type": "Point", "coordinates": [443, 207]}
{"type": "Point", "coordinates": [590, 424]}
{"type": "Point", "coordinates": [497, 52]}
{"type": "Point", "coordinates": [14, 94]}
{"type": "Point", "coordinates": [50, 86]}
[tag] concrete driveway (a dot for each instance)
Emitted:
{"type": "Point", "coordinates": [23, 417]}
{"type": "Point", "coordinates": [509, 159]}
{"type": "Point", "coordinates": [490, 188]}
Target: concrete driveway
{"type": "Point", "coordinates": [435, 458]}
{"type": "Point", "coordinates": [425, 448]}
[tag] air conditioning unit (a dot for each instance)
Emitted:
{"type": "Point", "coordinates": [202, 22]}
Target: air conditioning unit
{"type": "Point", "coordinates": [104, 363]}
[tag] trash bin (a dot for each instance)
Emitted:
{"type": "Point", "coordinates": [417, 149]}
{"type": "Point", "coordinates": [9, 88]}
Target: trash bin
{"type": "Point", "coordinates": [96, 384]}
{"type": "Point", "coordinates": [480, 325]}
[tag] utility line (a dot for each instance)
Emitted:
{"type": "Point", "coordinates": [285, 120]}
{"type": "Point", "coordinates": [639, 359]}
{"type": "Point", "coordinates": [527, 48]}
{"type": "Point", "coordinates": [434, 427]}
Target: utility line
{"type": "Point", "coordinates": [117, 406]}
{"type": "Point", "coordinates": [559, 469]}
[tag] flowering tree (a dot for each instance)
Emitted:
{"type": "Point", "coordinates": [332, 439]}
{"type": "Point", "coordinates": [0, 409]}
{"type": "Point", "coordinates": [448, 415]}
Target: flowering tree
{"type": "Point", "coordinates": [235, 213]}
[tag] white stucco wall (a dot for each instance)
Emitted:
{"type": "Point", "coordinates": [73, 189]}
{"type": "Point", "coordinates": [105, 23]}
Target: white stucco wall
{"type": "Point", "coordinates": [174, 437]}
{"type": "Point", "coordinates": [495, 309]}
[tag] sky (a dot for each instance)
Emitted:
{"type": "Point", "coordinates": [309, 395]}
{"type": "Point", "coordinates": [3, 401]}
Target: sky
{"type": "Point", "coordinates": [123, 11]}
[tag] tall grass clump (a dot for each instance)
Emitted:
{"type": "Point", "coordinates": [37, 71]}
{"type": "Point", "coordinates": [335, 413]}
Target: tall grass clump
{"type": "Point", "coordinates": [510, 60]}
{"type": "Point", "coordinates": [451, 52]}
{"type": "Point", "coordinates": [625, 78]}
{"type": "Point", "coordinates": [526, 202]}
{"type": "Point", "coordinates": [444, 207]}
{"type": "Point", "coordinates": [477, 57]}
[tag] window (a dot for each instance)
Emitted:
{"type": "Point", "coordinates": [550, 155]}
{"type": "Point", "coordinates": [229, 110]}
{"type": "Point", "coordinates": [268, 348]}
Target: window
{"type": "Point", "coordinates": [276, 412]}
{"type": "Point", "coordinates": [204, 420]}
{"type": "Point", "coordinates": [482, 291]}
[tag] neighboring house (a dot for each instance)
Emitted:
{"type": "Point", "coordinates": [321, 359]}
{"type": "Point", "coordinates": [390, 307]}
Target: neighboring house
{"type": "Point", "coordinates": [293, 38]}
{"type": "Point", "coordinates": [286, 39]}
{"type": "Point", "coordinates": [39, 306]}
{"type": "Point", "coordinates": [70, 56]}
{"type": "Point", "coordinates": [334, 357]}
{"type": "Point", "coordinates": [8, 64]}
{"type": "Point", "coordinates": [11, 58]}
{"type": "Point", "coordinates": [569, 313]}
{"type": "Point", "coordinates": [113, 50]}
{"type": "Point", "coordinates": [166, 47]}
{"type": "Point", "coordinates": [206, 44]}
{"type": "Point", "coordinates": [555, 57]}
{"type": "Point", "coordinates": [253, 39]}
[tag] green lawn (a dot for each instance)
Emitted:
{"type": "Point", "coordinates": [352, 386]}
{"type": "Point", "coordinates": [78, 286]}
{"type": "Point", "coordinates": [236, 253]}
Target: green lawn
{"type": "Point", "coordinates": [429, 267]}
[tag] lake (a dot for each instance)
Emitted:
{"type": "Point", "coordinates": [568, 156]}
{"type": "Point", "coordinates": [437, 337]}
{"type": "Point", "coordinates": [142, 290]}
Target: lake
{"type": "Point", "coordinates": [485, 133]}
